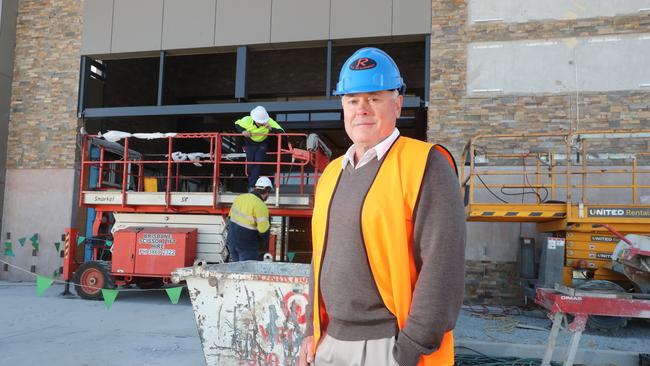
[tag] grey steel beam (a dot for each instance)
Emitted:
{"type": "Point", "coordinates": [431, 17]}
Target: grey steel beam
{"type": "Point", "coordinates": [427, 68]}
{"type": "Point", "coordinates": [334, 125]}
{"type": "Point", "coordinates": [323, 105]}
{"type": "Point", "coordinates": [81, 96]}
{"type": "Point", "coordinates": [240, 77]}
{"type": "Point", "coordinates": [328, 77]}
{"type": "Point", "coordinates": [161, 77]}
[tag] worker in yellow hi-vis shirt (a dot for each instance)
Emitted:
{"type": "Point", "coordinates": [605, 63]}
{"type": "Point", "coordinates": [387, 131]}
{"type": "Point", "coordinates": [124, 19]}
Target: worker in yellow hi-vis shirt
{"type": "Point", "coordinates": [255, 128]}
{"type": "Point", "coordinates": [248, 224]}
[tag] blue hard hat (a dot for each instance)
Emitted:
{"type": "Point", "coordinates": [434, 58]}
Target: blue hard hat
{"type": "Point", "coordinates": [369, 70]}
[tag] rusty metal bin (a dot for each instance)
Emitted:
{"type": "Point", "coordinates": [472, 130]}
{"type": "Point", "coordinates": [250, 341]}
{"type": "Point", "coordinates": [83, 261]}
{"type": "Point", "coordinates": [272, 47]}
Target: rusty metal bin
{"type": "Point", "coordinates": [248, 313]}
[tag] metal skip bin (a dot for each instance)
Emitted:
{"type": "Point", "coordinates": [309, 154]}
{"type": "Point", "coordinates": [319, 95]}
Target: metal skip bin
{"type": "Point", "coordinates": [248, 313]}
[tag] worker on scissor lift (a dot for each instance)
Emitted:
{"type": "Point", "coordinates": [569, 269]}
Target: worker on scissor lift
{"type": "Point", "coordinates": [255, 128]}
{"type": "Point", "coordinates": [248, 224]}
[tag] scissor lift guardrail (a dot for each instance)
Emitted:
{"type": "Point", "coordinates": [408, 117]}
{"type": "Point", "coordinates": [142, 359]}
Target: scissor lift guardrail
{"type": "Point", "coordinates": [300, 166]}
{"type": "Point", "coordinates": [563, 177]}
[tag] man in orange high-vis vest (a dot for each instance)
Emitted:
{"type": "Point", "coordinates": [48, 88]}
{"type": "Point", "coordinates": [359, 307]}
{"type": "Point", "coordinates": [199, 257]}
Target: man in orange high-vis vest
{"type": "Point", "coordinates": [388, 233]}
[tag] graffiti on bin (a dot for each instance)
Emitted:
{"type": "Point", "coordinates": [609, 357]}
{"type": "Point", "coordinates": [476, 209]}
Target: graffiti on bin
{"type": "Point", "coordinates": [269, 359]}
{"type": "Point", "coordinates": [269, 334]}
{"type": "Point", "coordinates": [274, 278]}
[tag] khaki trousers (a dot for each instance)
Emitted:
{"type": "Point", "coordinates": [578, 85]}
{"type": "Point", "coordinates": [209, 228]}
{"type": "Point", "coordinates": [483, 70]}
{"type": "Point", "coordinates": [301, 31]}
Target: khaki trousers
{"type": "Point", "coordinates": [334, 352]}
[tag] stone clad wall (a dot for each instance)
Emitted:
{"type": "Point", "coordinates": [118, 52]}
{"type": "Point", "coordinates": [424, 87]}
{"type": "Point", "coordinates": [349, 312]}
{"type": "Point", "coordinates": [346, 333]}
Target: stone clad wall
{"type": "Point", "coordinates": [43, 125]}
{"type": "Point", "coordinates": [454, 117]}
{"type": "Point", "coordinates": [43, 121]}
{"type": "Point", "coordinates": [492, 283]}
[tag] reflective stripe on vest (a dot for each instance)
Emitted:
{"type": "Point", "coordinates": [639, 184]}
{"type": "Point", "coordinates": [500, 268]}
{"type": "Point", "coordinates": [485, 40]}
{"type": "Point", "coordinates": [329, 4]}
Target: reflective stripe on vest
{"type": "Point", "coordinates": [250, 211]}
{"type": "Point", "coordinates": [258, 133]}
{"type": "Point", "coordinates": [389, 246]}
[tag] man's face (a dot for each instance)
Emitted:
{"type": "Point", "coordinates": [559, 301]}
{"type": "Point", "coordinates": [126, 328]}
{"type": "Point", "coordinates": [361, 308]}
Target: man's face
{"type": "Point", "coordinates": [265, 195]}
{"type": "Point", "coordinates": [371, 117]}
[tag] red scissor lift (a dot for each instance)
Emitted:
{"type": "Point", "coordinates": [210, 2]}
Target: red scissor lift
{"type": "Point", "coordinates": [148, 182]}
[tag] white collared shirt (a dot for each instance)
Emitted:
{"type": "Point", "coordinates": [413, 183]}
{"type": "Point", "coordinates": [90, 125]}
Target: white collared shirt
{"type": "Point", "coordinates": [378, 151]}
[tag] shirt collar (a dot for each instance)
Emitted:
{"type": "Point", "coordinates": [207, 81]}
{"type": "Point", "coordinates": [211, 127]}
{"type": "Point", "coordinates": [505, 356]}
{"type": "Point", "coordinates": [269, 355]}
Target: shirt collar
{"type": "Point", "coordinates": [378, 150]}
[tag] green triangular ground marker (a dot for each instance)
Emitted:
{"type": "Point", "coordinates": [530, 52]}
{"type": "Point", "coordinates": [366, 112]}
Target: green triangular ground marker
{"type": "Point", "coordinates": [109, 243]}
{"type": "Point", "coordinates": [42, 284]}
{"type": "Point", "coordinates": [34, 238]}
{"type": "Point", "coordinates": [174, 294]}
{"type": "Point", "coordinates": [22, 241]}
{"type": "Point", "coordinates": [291, 255]}
{"type": "Point", "coordinates": [109, 297]}
{"type": "Point", "coordinates": [80, 239]}
{"type": "Point", "coordinates": [57, 245]}
{"type": "Point", "coordinates": [35, 245]}
{"type": "Point", "coordinates": [8, 250]}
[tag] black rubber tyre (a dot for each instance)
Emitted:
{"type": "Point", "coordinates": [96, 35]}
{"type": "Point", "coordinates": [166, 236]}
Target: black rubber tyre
{"type": "Point", "coordinates": [148, 282]}
{"type": "Point", "coordinates": [599, 322]}
{"type": "Point", "coordinates": [91, 277]}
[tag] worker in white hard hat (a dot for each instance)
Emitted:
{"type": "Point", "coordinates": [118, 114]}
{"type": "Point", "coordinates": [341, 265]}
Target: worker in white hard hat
{"type": "Point", "coordinates": [248, 223]}
{"type": "Point", "coordinates": [255, 127]}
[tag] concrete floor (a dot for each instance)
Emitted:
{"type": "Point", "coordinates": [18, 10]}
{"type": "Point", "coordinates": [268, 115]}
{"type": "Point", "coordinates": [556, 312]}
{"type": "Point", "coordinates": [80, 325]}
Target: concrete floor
{"type": "Point", "coordinates": [141, 328]}
{"type": "Point", "coordinates": [144, 328]}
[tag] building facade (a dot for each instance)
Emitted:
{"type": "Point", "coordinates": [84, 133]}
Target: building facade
{"type": "Point", "coordinates": [470, 66]}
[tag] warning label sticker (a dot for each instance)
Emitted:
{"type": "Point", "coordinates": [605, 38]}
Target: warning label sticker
{"type": "Point", "coordinates": [553, 243]}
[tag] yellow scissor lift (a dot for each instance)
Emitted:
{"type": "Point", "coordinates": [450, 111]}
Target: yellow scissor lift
{"type": "Point", "coordinates": [570, 184]}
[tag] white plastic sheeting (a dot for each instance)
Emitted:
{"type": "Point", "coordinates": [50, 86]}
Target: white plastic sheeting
{"type": "Point", "coordinates": [193, 157]}
{"type": "Point", "coordinates": [115, 136]}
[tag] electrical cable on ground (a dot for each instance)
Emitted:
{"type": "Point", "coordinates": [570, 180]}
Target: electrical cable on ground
{"type": "Point", "coordinates": [501, 316]}
{"type": "Point", "coordinates": [492, 310]}
{"type": "Point", "coordinates": [481, 359]}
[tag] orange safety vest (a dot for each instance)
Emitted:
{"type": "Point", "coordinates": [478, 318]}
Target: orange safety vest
{"type": "Point", "coordinates": [387, 230]}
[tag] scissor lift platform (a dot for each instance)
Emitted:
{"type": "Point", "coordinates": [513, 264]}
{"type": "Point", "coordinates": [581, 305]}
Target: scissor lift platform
{"type": "Point", "coordinates": [179, 202]}
{"type": "Point", "coordinates": [113, 175]}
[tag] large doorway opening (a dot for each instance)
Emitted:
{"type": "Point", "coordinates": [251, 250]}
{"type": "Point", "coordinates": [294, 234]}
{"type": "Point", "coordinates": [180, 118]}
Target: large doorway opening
{"type": "Point", "coordinates": [207, 93]}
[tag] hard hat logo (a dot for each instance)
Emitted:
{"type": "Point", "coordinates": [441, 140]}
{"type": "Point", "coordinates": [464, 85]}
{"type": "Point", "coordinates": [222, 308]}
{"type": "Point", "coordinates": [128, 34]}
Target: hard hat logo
{"type": "Point", "coordinates": [363, 63]}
